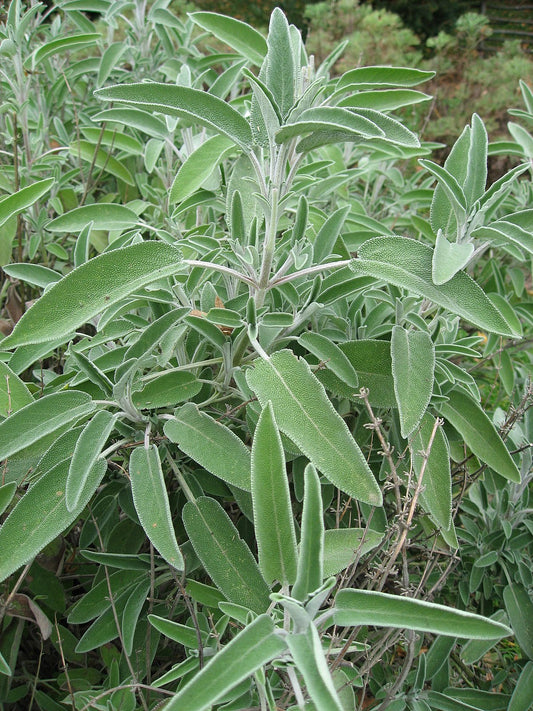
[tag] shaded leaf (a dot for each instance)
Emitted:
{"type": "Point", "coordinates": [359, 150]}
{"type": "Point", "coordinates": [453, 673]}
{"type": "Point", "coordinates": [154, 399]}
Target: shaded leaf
{"type": "Point", "coordinates": [520, 610]}
{"type": "Point", "coordinates": [311, 554]}
{"type": "Point", "coordinates": [198, 167]}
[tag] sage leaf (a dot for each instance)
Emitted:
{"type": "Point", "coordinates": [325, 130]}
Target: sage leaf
{"type": "Point", "coordinates": [368, 607]}
{"type": "Point", "coordinates": [369, 77]}
{"type": "Point", "coordinates": [130, 614]}
{"type": "Point", "coordinates": [449, 258]}
{"type": "Point", "coordinates": [151, 503]}
{"type": "Point", "coordinates": [523, 692]}
{"type": "Point", "coordinates": [308, 655]}
{"type": "Point", "coordinates": [328, 119]}
{"type": "Point", "coordinates": [198, 167]}
{"type": "Point", "coordinates": [104, 216]}
{"type": "Point", "coordinates": [7, 492]}
{"type": "Point", "coordinates": [236, 34]}
{"type": "Point", "coordinates": [225, 556]}
{"type": "Point", "coordinates": [86, 452]}
{"type": "Point", "coordinates": [305, 414]}
{"type": "Point", "coordinates": [247, 652]}
{"type": "Point", "coordinates": [273, 519]}
{"type": "Point", "coordinates": [183, 102]}
{"type": "Point", "coordinates": [41, 515]}
{"type": "Point", "coordinates": [166, 390]}
{"type": "Point", "coordinates": [475, 427]}
{"type": "Point", "coordinates": [40, 418]}
{"type": "Point", "coordinates": [341, 545]}
{"type": "Point", "coordinates": [413, 367]}
{"type": "Point", "coordinates": [407, 263]}
{"type": "Point", "coordinates": [310, 572]}
{"type": "Point", "coordinates": [91, 288]}
{"type": "Point", "coordinates": [520, 610]}
{"type": "Point", "coordinates": [279, 65]}
{"type": "Point", "coordinates": [213, 445]}
{"type": "Point", "coordinates": [332, 356]}
{"type": "Point", "coordinates": [18, 202]}
{"type": "Point", "coordinates": [4, 666]}
{"type": "Point", "coordinates": [436, 493]}
{"type": "Point", "coordinates": [14, 392]}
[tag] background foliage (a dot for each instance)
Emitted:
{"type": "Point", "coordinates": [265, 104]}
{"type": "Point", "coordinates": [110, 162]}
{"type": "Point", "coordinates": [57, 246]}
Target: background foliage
{"type": "Point", "coordinates": [221, 483]}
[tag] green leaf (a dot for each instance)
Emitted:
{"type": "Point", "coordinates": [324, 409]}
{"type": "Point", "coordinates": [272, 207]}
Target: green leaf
{"type": "Point", "coordinates": [436, 494]}
{"type": "Point", "coordinates": [225, 556]}
{"type": "Point", "coordinates": [341, 545]}
{"type": "Point", "coordinates": [18, 202]}
{"type": "Point", "coordinates": [306, 650]}
{"type": "Point", "coordinates": [109, 60]}
{"type": "Point", "coordinates": [453, 190]}
{"type": "Point", "coordinates": [407, 263]}
{"type": "Point", "coordinates": [41, 515]}
{"type": "Point", "coordinates": [367, 607]}
{"type": "Point", "coordinates": [151, 503]}
{"type": "Point", "coordinates": [449, 258]}
{"type": "Point", "coordinates": [91, 288]}
{"type": "Point", "coordinates": [476, 169]}
{"type": "Point", "coordinates": [198, 167]}
{"type": "Point", "coordinates": [475, 427]}
{"type": "Point", "coordinates": [305, 414]}
{"type": "Point", "coordinates": [7, 492]}
{"type": "Point", "coordinates": [383, 99]}
{"type": "Point", "coordinates": [35, 274]}
{"type": "Point", "coordinates": [250, 650]}
{"type": "Point", "coordinates": [41, 417]}
{"type": "Point", "coordinates": [310, 572]}
{"type": "Point", "coordinates": [330, 119]}
{"type": "Point", "coordinates": [100, 159]}
{"type": "Point", "coordinates": [130, 614]}
{"type": "Point", "coordinates": [86, 452]}
{"type": "Point", "coordinates": [393, 130]}
{"type": "Point", "coordinates": [104, 216]}
{"type": "Point", "coordinates": [369, 77]}
{"type": "Point", "coordinates": [182, 634]}
{"type": "Point", "coordinates": [183, 102]}
{"type": "Point", "coordinates": [136, 118]}
{"type": "Point", "coordinates": [98, 599]}
{"type": "Point", "coordinates": [280, 69]}
{"type": "Point", "coordinates": [371, 360]}
{"type": "Point", "coordinates": [236, 34]}
{"type": "Point", "coordinates": [4, 666]}
{"type": "Point", "coordinates": [14, 393]}
{"type": "Point", "coordinates": [273, 519]}
{"type": "Point", "coordinates": [413, 366]}
{"type": "Point", "coordinates": [520, 610]}
{"type": "Point", "coordinates": [210, 443]}
{"type": "Point", "coordinates": [167, 390]}
{"type": "Point", "coordinates": [328, 234]}
{"type": "Point", "coordinates": [475, 649]}
{"type": "Point", "coordinates": [332, 356]}
{"type": "Point", "coordinates": [522, 697]}
{"type": "Point", "coordinates": [60, 45]}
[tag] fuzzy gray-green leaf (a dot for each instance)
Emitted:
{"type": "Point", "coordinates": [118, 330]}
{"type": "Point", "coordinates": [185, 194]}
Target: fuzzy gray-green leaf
{"type": "Point", "coordinates": [151, 503]}
{"type": "Point", "coordinates": [413, 366]}
{"type": "Point", "coordinates": [273, 518]}
{"type": "Point", "coordinates": [407, 263]}
{"type": "Point", "coordinates": [210, 443]}
{"type": "Point", "coordinates": [91, 288]}
{"type": "Point", "coordinates": [224, 555]}
{"type": "Point", "coordinates": [305, 414]}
